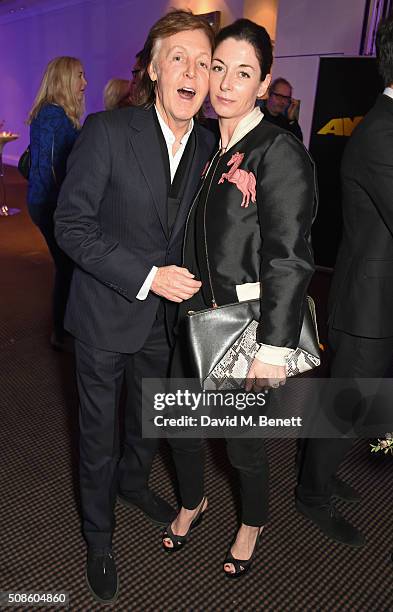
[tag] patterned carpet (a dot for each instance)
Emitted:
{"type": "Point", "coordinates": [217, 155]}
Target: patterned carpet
{"type": "Point", "coordinates": [297, 569]}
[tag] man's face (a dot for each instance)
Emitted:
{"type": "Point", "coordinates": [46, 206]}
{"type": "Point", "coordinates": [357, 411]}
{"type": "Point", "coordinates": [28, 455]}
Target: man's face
{"type": "Point", "coordinates": [136, 72]}
{"type": "Point", "coordinates": [180, 67]}
{"type": "Point", "coordinates": [136, 76]}
{"type": "Point", "coordinates": [280, 97]}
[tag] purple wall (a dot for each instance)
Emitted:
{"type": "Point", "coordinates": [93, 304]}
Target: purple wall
{"type": "Point", "coordinates": [104, 34]}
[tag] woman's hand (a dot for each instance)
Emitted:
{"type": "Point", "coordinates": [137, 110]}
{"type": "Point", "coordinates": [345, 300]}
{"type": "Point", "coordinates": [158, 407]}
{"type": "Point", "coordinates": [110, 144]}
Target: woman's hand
{"type": "Point", "coordinates": [262, 375]}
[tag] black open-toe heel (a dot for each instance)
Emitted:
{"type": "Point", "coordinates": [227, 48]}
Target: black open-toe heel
{"type": "Point", "coordinates": [178, 541]}
{"type": "Point", "coordinates": [242, 566]}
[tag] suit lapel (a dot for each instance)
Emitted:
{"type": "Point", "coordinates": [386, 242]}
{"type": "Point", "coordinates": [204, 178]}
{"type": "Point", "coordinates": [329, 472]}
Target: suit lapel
{"type": "Point", "coordinates": [193, 180]}
{"type": "Point", "coordinates": [147, 149]}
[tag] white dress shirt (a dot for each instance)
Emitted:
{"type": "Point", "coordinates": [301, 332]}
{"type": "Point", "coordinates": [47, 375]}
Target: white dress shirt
{"type": "Point", "coordinates": [388, 91]}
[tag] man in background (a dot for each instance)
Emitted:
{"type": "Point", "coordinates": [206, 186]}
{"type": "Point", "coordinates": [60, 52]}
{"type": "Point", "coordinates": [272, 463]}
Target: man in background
{"type": "Point", "coordinates": [136, 76]}
{"type": "Point", "coordinates": [281, 109]}
{"type": "Point", "coordinates": [361, 297]}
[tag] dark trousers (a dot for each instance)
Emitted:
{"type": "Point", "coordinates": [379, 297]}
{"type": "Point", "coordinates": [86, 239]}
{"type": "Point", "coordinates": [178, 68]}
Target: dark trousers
{"type": "Point", "coordinates": [99, 376]}
{"type": "Point", "coordinates": [42, 217]}
{"type": "Point", "coordinates": [247, 456]}
{"type": "Point", "coordinates": [353, 357]}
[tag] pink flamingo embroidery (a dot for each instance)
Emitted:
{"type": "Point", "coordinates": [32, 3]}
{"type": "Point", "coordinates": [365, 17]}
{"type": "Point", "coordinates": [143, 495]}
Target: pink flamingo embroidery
{"type": "Point", "coordinates": [244, 181]}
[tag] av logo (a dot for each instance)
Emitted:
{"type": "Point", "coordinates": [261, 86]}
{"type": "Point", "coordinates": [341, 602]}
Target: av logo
{"type": "Point", "coordinates": [342, 126]}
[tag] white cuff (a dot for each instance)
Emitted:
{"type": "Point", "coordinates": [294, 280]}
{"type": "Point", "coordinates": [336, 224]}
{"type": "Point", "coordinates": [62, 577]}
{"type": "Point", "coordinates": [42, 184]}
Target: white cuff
{"type": "Point", "coordinates": [274, 355]}
{"type": "Point", "coordinates": [144, 290]}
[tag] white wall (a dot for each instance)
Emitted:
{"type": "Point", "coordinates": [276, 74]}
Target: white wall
{"type": "Point", "coordinates": [307, 29]}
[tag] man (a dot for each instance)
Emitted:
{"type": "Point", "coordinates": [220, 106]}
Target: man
{"type": "Point", "coordinates": [137, 73]}
{"type": "Point", "coordinates": [281, 109]}
{"type": "Point", "coordinates": [121, 217]}
{"type": "Point", "coordinates": [361, 298]}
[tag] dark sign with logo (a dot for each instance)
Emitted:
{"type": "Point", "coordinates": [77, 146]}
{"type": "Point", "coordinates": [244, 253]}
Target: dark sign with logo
{"type": "Point", "coordinates": [347, 88]}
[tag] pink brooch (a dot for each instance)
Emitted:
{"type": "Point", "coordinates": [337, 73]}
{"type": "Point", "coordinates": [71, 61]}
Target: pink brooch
{"type": "Point", "coordinates": [244, 181]}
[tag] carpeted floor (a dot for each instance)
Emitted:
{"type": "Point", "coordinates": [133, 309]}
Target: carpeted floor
{"type": "Point", "coordinates": [297, 569]}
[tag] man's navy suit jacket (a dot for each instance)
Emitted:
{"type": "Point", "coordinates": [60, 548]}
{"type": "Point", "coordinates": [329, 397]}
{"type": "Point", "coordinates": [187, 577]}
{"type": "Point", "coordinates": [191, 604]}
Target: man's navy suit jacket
{"type": "Point", "coordinates": [361, 298]}
{"type": "Point", "coordinates": [111, 219]}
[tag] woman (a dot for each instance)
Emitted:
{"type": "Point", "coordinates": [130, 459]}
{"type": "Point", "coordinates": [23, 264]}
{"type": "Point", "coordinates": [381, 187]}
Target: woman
{"type": "Point", "coordinates": [253, 218]}
{"type": "Point", "coordinates": [117, 93]}
{"type": "Point", "coordinates": [54, 125]}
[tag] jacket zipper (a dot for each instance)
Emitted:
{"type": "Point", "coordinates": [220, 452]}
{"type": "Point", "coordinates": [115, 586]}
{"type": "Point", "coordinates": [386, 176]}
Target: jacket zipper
{"type": "Point", "coordinates": [214, 303]}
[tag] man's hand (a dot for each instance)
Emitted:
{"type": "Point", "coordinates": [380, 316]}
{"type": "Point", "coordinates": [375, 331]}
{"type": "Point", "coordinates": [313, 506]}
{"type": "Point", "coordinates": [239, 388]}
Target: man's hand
{"type": "Point", "coordinates": [262, 375]}
{"type": "Point", "coordinates": [293, 110]}
{"type": "Point", "coordinates": [175, 284]}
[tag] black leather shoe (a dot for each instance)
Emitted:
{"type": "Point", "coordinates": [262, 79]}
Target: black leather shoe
{"type": "Point", "coordinates": [101, 575]}
{"type": "Point", "coordinates": [332, 524]}
{"type": "Point", "coordinates": [342, 490]}
{"type": "Point", "coordinates": [156, 509]}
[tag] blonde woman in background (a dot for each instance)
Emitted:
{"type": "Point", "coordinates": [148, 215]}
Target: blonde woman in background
{"type": "Point", "coordinates": [54, 126]}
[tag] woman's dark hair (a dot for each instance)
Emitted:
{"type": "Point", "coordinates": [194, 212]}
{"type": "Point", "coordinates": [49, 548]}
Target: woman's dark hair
{"type": "Point", "coordinates": [384, 46]}
{"type": "Point", "coordinates": [173, 22]}
{"type": "Point", "coordinates": [256, 35]}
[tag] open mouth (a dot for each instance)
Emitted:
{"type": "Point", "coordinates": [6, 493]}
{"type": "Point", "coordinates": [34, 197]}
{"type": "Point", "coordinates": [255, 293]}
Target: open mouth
{"type": "Point", "coordinates": [187, 93]}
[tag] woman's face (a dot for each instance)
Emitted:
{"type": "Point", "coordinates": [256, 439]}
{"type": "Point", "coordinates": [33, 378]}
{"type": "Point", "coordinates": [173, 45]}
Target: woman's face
{"type": "Point", "coordinates": [79, 82]}
{"type": "Point", "coordinates": [235, 79]}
